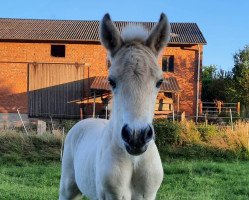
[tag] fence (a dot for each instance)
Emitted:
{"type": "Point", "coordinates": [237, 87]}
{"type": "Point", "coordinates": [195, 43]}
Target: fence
{"type": "Point", "coordinates": [218, 107]}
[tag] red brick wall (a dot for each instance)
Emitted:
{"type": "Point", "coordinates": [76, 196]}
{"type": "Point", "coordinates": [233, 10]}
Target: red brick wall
{"type": "Point", "coordinates": [185, 71]}
{"type": "Point", "coordinates": [13, 77]}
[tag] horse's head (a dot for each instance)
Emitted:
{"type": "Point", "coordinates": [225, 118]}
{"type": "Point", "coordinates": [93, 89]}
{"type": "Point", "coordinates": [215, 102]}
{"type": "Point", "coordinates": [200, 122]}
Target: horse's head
{"type": "Point", "coordinates": [135, 78]}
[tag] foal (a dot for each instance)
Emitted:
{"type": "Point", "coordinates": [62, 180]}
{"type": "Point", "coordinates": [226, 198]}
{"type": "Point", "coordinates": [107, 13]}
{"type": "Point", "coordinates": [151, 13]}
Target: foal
{"type": "Point", "coordinates": [118, 159]}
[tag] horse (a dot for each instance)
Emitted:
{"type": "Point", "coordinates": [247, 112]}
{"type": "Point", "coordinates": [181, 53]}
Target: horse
{"type": "Point", "coordinates": [117, 159]}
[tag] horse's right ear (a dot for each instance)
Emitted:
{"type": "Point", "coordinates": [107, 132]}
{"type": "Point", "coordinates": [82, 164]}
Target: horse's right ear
{"type": "Point", "coordinates": [159, 36]}
{"type": "Point", "coordinates": [109, 35]}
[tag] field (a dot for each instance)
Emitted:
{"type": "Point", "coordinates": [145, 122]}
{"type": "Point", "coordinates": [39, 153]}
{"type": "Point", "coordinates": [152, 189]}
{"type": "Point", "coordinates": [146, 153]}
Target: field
{"type": "Point", "coordinates": [200, 180]}
{"type": "Point", "coordinates": [203, 162]}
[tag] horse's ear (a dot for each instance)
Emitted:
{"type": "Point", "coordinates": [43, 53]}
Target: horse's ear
{"type": "Point", "coordinates": [159, 36]}
{"type": "Point", "coordinates": [109, 35]}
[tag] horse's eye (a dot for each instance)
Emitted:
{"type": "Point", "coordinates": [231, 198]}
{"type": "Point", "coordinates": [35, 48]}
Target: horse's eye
{"type": "Point", "coordinates": [112, 83]}
{"type": "Point", "coordinates": [159, 83]}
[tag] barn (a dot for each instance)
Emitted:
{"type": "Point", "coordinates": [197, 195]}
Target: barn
{"type": "Point", "coordinates": [57, 68]}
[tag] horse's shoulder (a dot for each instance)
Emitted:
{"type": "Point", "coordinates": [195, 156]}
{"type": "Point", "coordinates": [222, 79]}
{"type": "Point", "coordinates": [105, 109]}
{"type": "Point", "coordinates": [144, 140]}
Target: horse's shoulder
{"type": "Point", "coordinates": [91, 123]}
{"type": "Point", "coordinates": [83, 128]}
{"type": "Point", "coordinates": [85, 125]}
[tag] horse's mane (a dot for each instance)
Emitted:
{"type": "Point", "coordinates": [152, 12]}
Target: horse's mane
{"type": "Point", "coordinates": [133, 32]}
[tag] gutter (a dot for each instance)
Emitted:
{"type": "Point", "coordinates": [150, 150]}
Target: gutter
{"type": "Point", "coordinates": [198, 84]}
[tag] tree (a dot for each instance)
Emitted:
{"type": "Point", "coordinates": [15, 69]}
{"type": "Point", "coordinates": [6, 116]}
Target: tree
{"type": "Point", "coordinates": [216, 84]}
{"type": "Point", "coordinates": [241, 76]}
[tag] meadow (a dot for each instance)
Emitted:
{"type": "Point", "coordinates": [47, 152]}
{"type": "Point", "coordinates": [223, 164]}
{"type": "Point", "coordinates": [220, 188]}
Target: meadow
{"type": "Point", "coordinates": [202, 162]}
{"type": "Point", "coordinates": [200, 180]}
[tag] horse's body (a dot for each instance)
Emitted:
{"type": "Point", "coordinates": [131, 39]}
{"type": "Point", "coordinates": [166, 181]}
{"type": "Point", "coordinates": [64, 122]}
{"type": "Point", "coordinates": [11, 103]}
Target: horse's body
{"type": "Point", "coordinates": [118, 159]}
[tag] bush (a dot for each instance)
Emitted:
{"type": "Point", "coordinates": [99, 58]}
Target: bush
{"type": "Point", "coordinates": [207, 132]}
{"type": "Point", "coordinates": [67, 124]}
{"type": "Point", "coordinates": [167, 133]}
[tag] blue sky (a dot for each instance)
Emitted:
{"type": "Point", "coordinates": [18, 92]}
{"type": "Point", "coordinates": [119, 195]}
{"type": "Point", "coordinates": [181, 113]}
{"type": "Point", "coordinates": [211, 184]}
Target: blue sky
{"type": "Point", "coordinates": [224, 23]}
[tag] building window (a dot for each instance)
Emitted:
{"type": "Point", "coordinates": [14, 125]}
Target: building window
{"type": "Point", "coordinates": [168, 63]}
{"type": "Point", "coordinates": [58, 50]}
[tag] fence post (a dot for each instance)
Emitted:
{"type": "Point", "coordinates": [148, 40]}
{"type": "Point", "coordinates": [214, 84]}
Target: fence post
{"type": "Point", "coordinates": [94, 104]}
{"type": "Point", "coordinates": [22, 122]}
{"type": "Point", "coordinates": [238, 108]}
{"type": "Point", "coordinates": [173, 112]}
{"type": "Point", "coordinates": [200, 107]}
{"type": "Point", "coordinates": [62, 142]}
{"type": "Point", "coordinates": [183, 119]}
{"type": "Point", "coordinates": [206, 122]}
{"type": "Point", "coordinates": [231, 117]}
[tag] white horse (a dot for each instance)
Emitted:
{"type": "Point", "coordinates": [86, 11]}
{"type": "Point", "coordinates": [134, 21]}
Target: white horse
{"type": "Point", "coordinates": [118, 159]}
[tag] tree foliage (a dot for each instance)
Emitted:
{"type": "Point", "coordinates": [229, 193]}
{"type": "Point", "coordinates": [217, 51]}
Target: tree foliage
{"type": "Point", "coordinates": [216, 84]}
{"type": "Point", "coordinates": [228, 86]}
{"type": "Point", "coordinates": [241, 75]}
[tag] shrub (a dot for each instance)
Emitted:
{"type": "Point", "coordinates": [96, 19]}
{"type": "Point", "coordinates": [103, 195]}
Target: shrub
{"type": "Point", "coordinates": [67, 124]}
{"type": "Point", "coordinates": [167, 133]}
{"type": "Point", "coordinates": [189, 133]}
{"type": "Point", "coordinates": [207, 132]}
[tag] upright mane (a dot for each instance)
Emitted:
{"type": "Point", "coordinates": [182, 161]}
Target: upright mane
{"type": "Point", "coordinates": [133, 32]}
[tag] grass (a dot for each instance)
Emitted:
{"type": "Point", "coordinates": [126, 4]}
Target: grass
{"type": "Point", "coordinates": [202, 180]}
{"type": "Point", "coordinates": [205, 180]}
{"type": "Point", "coordinates": [204, 162]}
{"type": "Point", "coordinates": [29, 181]}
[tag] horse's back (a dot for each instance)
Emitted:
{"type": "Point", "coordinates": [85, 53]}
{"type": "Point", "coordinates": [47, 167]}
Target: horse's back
{"type": "Point", "coordinates": [81, 146]}
{"type": "Point", "coordinates": [85, 130]}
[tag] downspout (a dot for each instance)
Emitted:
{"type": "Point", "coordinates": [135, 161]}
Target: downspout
{"type": "Point", "coordinates": [198, 83]}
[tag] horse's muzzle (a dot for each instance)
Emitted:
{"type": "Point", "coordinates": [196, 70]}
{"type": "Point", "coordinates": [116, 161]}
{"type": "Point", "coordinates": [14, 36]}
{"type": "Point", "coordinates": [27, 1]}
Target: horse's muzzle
{"type": "Point", "coordinates": [136, 141]}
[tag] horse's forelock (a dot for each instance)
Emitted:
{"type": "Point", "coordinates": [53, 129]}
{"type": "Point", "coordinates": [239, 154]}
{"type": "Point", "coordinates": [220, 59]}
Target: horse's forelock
{"type": "Point", "coordinates": [134, 33]}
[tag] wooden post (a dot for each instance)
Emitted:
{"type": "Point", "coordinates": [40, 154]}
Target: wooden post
{"type": "Point", "coordinates": [173, 112]}
{"type": "Point", "coordinates": [94, 104]}
{"type": "Point", "coordinates": [206, 121]}
{"type": "Point", "coordinates": [183, 119]}
{"type": "Point", "coordinates": [62, 142]}
{"type": "Point", "coordinates": [238, 108]}
{"type": "Point", "coordinates": [231, 118]}
{"type": "Point", "coordinates": [178, 102]}
{"type": "Point", "coordinates": [22, 122]}
{"type": "Point", "coordinates": [200, 107]}
{"type": "Point", "coordinates": [81, 113]}
{"type": "Point", "coordinates": [41, 127]}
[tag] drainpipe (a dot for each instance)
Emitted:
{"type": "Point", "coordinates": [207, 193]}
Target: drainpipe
{"type": "Point", "coordinates": [198, 84]}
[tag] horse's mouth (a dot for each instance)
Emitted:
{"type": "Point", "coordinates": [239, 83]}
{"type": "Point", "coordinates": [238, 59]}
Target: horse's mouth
{"type": "Point", "coordinates": [135, 151]}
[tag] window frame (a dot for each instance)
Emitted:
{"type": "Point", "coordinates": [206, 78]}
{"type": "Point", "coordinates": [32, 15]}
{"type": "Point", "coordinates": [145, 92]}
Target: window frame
{"type": "Point", "coordinates": [170, 65]}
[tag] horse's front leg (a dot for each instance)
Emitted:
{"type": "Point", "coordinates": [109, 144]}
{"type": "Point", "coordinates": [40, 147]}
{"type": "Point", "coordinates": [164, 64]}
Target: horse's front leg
{"type": "Point", "coordinates": [113, 187]}
{"type": "Point", "coordinates": [114, 177]}
{"type": "Point", "coordinates": [118, 195]}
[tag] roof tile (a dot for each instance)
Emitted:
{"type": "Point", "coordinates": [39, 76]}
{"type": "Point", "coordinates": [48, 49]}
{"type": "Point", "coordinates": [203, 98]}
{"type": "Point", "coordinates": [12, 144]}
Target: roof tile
{"type": "Point", "coordinates": [78, 30]}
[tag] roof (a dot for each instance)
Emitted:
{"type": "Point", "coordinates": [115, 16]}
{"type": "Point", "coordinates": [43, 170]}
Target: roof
{"type": "Point", "coordinates": [81, 31]}
{"type": "Point", "coordinates": [168, 85]}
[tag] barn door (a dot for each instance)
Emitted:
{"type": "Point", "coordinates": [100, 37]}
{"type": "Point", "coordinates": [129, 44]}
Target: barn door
{"type": "Point", "coordinates": [55, 90]}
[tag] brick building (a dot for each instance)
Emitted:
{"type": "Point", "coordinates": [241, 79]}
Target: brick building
{"type": "Point", "coordinates": [52, 67]}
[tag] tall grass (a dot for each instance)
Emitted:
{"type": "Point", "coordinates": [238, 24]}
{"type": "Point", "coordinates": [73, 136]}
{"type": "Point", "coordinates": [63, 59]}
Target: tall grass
{"type": "Point", "coordinates": [178, 139]}
{"type": "Point", "coordinates": [16, 146]}
{"type": "Point", "coordinates": [203, 138]}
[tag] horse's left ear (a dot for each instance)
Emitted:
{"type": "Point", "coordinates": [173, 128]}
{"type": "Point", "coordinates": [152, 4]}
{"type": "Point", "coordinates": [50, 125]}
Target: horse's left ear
{"type": "Point", "coordinates": [109, 35]}
{"type": "Point", "coordinates": [159, 36]}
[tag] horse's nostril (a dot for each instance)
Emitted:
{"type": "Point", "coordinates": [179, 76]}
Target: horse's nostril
{"type": "Point", "coordinates": [148, 134]}
{"type": "Point", "coordinates": [126, 133]}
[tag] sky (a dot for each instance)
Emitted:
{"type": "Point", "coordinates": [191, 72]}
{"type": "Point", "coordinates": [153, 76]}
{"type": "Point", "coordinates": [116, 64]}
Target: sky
{"type": "Point", "coordinates": [224, 23]}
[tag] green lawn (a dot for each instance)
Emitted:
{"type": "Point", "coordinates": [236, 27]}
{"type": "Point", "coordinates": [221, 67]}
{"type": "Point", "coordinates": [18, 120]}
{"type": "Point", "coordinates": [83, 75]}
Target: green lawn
{"type": "Point", "coordinates": [200, 180]}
